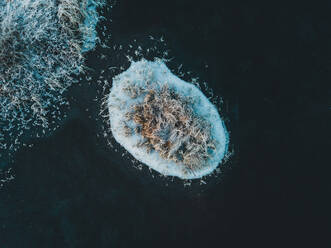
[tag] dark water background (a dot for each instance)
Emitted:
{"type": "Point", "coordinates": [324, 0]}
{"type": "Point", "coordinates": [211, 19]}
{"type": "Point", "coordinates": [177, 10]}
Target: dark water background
{"type": "Point", "coordinates": [270, 62]}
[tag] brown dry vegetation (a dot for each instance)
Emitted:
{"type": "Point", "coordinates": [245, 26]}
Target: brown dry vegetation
{"type": "Point", "coordinates": [71, 15]}
{"type": "Point", "coordinates": [169, 126]}
{"type": "Point", "coordinates": [41, 53]}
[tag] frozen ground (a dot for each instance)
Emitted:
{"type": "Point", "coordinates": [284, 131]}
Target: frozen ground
{"type": "Point", "coordinates": [154, 75]}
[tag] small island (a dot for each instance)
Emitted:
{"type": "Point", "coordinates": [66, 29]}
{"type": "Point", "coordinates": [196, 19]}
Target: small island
{"type": "Point", "coordinates": [165, 122]}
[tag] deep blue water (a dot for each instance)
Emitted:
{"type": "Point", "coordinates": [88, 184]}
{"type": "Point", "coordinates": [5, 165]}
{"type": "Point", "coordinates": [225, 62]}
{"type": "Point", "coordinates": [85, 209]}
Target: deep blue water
{"type": "Point", "coordinates": [271, 65]}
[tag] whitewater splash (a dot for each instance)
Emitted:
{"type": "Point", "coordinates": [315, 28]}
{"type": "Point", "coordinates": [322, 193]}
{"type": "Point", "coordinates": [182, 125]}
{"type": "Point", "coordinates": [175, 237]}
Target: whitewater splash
{"type": "Point", "coordinates": [165, 122]}
{"type": "Point", "coordinates": [42, 43]}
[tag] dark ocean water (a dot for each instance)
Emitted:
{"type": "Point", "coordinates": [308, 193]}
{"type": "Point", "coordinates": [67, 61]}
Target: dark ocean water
{"type": "Point", "coordinates": [271, 64]}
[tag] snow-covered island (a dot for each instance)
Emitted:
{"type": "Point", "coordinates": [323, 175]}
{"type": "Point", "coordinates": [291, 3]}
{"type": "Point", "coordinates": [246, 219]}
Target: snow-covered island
{"type": "Point", "coordinates": [42, 49]}
{"type": "Point", "coordinates": [165, 122]}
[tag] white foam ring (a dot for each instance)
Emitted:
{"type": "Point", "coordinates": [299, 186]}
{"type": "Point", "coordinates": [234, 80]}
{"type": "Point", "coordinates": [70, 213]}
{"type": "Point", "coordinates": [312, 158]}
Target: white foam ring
{"type": "Point", "coordinates": [147, 74]}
